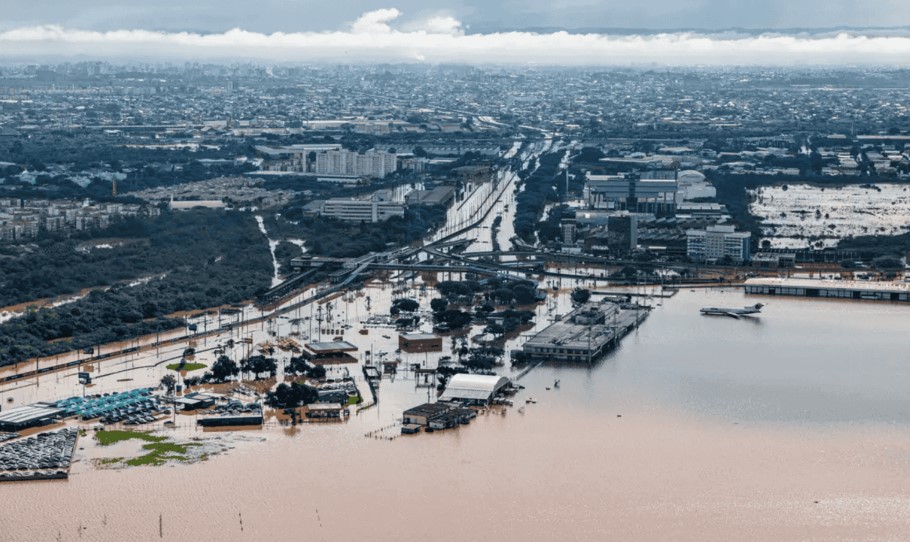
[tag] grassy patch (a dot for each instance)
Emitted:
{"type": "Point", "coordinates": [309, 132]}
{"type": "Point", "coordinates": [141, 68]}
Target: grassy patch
{"type": "Point", "coordinates": [159, 450]}
{"type": "Point", "coordinates": [106, 438]}
{"type": "Point", "coordinates": [353, 400]}
{"type": "Point", "coordinates": [186, 366]}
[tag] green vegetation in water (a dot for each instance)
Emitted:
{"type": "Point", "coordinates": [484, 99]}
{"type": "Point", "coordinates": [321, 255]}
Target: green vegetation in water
{"type": "Point", "coordinates": [186, 366]}
{"type": "Point", "coordinates": [353, 400]}
{"type": "Point", "coordinates": [158, 450]}
{"type": "Point", "coordinates": [160, 453]}
{"type": "Point", "coordinates": [106, 438]}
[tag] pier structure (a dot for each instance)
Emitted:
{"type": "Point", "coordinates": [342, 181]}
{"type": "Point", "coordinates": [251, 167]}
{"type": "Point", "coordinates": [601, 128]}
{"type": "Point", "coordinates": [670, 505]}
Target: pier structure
{"type": "Point", "coordinates": [586, 333]}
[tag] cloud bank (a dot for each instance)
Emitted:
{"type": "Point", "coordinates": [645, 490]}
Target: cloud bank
{"type": "Point", "coordinates": [442, 39]}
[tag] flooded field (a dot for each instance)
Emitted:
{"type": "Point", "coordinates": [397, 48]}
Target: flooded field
{"type": "Point", "coordinates": [791, 426]}
{"type": "Point", "coordinates": [805, 216]}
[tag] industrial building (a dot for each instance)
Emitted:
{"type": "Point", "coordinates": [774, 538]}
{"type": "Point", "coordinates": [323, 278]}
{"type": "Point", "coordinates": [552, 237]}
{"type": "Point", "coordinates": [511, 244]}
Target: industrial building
{"type": "Point", "coordinates": [441, 415]}
{"type": "Point", "coordinates": [182, 205]}
{"type": "Point", "coordinates": [630, 192]}
{"type": "Point", "coordinates": [718, 242]}
{"type": "Point", "coordinates": [441, 195]}
{"type": "Point", "coordinates": [359, 210]}
{"type": "Point", "coordinates": [585, 334]}
{"type": "Point", "coordinates": [837, 289]}
{"type": "Point", "coordinates": [474, 389]}
{"type": "Point", "coordinates": [196, 401]}
{"type": "Point", "coordinates": [329, 352]}
{"type": "Point", "coordinates": [24, 417]}
{"type": "Point", "coordinates": [228, 420]}
{"type": "Point", "coordinates": [325, 411]}
{"type": "Point", "coordinates": [419, 342]}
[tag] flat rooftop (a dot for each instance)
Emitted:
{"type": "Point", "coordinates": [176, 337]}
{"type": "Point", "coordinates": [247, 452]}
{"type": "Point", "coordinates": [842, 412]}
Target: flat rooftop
{"type": "Point", "coordinates": [860, 285]}
{"type": "Point", "coordinates": [567, 334]}
{"type": "Point", "coordinates": [418, 336]}
{"type": "Point", "coordinates": [329, 347]}
{"type": "Point", "coordinates": [30, 413]}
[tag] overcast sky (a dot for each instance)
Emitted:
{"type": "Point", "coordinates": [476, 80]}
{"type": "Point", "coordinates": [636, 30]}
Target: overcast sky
{"type": "Point", "coordinates": [478, 31]}
{"type": "Point", "coordinates": [487, 15]}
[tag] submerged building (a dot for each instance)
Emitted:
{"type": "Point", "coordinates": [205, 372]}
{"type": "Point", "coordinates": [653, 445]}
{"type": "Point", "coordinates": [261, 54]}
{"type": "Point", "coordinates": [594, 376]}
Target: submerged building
{"type": "Point", "coordinates": [837, 289]}
{"type": "Point", "coordinates": [474, 389]}
{"type": "Point", "coordinates": [585, 334]}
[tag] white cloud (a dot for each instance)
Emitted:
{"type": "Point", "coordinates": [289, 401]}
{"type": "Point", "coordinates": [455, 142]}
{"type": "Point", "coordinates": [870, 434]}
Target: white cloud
{"type": "Point", "coordinates": [375, 22]}
{"type": "Point", "coordinates": [372, 37]}
{"type": "Point", "coordinates": [440, 24]}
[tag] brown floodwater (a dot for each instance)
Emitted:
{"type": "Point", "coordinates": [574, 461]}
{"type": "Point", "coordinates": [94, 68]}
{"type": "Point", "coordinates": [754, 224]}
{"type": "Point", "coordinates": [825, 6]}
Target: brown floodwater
{"type": "Point", "coordinates": [792, 426]}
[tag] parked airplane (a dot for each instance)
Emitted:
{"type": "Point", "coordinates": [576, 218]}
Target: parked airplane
{"type": "Point", "coordinates": [733, 313]}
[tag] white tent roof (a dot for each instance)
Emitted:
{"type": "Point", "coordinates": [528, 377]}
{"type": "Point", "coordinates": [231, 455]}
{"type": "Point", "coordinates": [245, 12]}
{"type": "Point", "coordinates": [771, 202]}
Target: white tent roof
{"type": "Point", "coordinates": [474, 387]}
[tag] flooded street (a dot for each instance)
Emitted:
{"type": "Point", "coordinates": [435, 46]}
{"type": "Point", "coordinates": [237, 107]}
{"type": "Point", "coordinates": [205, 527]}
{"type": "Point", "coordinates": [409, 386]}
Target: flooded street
{"type": "Point", "coordinates": [791, 426]}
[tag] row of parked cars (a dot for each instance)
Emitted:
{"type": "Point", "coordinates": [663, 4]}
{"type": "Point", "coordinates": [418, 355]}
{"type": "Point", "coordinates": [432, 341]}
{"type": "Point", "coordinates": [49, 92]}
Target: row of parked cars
{"type": "Point", "coordinates": [45, 455]}
{"type": "Point", "coordinates": [146, 411]}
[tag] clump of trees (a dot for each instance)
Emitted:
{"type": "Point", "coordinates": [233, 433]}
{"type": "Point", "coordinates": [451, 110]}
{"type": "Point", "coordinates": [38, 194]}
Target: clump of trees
{"type": "Point", "coordinates": [404, 305]}
{"type": "Point", "coordinates": [258, 366]}
{"type": "Point", "coordinates": [210, 258]}
{"type": "Point", "coordinates": [189, 247]}
{"type": "Point", "coordinates": [494, 290]}
{"type": "Point", "coordinates": [540, 188]}
{"type": "Point", "coordinates": [292, 396]}
{"type": "Point", "coordinates": [299, 365]}
{"type": "Point", "coordinates": [581, 296]}
{"type": "Point", "coordinates": [453, 318]}
{"type": "Point", "coordinates": [224, 368]}
{"type": "Point", "coordinates": [339, 239]}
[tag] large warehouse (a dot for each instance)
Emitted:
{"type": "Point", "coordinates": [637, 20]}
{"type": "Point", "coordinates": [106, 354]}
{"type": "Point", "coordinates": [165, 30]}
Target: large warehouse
{"type": "Point", "coordinates": [19, 418]}
{"type": "Point", "coordinates": [474, 389]}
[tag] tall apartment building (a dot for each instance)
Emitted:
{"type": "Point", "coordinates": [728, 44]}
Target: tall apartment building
{"type": "Point", "coordinates": [718, 242]}
{"type": "Point", "coordinates": [373, 163]}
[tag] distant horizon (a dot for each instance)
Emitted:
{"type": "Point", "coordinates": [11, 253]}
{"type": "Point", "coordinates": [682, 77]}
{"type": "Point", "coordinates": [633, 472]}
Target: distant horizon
{"type": "Point", "coordinates": [380, 36]}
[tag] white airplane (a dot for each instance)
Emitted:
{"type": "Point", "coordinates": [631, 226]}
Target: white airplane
{"type": "Point", "coordinates": [733, 313]}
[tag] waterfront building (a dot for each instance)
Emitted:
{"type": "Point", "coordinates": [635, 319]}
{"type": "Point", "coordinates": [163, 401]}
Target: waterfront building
{"type": "Point", "coordinates": [585, 334]}
{"type": "Point", "coordinates": [441, 415]}
{"type": "Point", "coordinates": [837, 289]}
{"type": "Point", "coordinates": [718, 242]}
{"type": "Point", "coordinates": [474, 389]}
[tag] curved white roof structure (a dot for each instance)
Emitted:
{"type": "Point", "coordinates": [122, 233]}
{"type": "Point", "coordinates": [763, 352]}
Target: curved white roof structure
{"type": "Point", "coordinates": [473, 387]}
{"type": "Point", "coordinates": [693, 185]}
{"type": "Point", "coordinates": [690, 176]}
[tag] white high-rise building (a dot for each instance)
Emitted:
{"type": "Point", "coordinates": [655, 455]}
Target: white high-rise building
{"type": "Point", "coordinates": [717, 242]}
{"type": "Point", "coordinates": [373, 163]}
